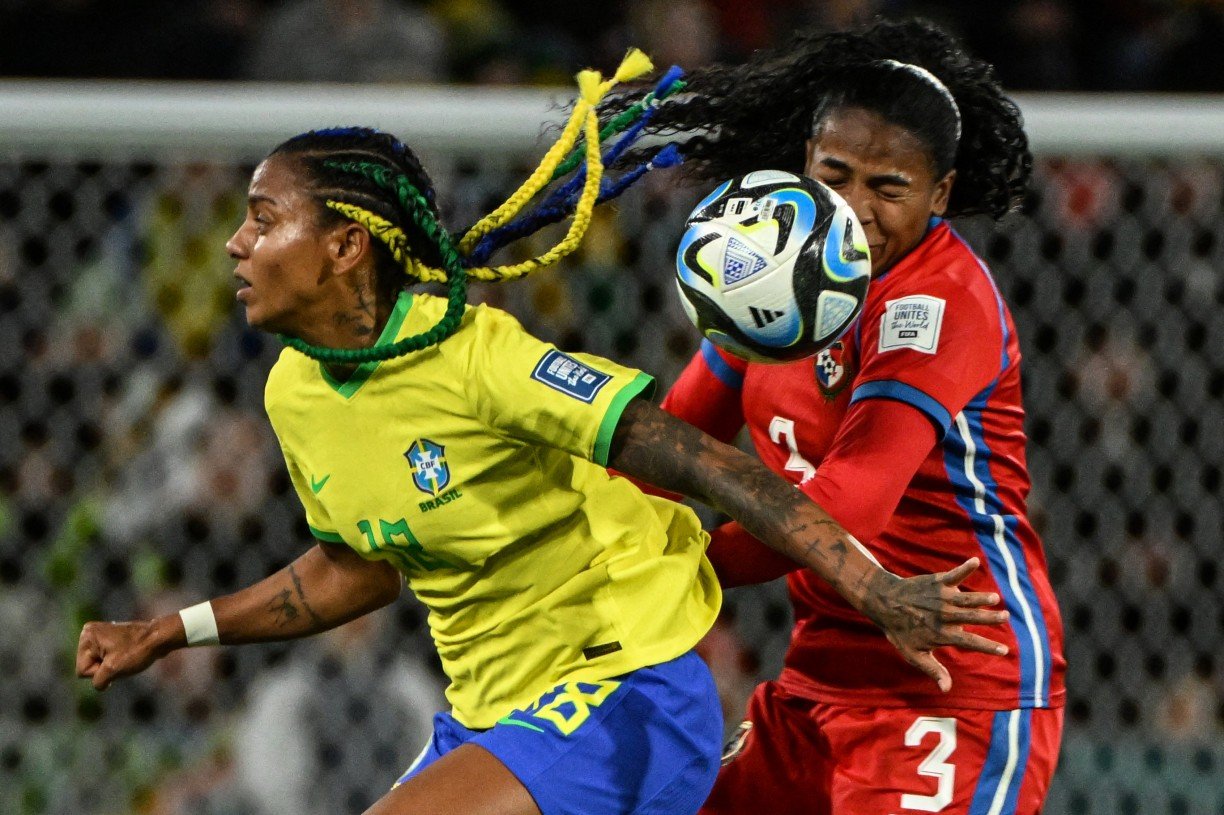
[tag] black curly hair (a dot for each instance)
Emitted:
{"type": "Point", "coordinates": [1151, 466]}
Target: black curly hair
{"type": "Point", "coordinates": [739, 118]}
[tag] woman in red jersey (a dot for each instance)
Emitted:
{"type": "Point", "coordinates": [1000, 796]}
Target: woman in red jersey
{"type": "Point", "coordinates": [910, 428]}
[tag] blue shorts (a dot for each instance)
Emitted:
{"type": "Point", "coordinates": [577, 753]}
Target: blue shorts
{"type": "Point", "coordinates": [644, 743]}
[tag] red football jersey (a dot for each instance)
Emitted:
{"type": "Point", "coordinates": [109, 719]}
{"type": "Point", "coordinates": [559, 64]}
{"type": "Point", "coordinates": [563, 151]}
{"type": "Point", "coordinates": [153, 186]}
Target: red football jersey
{"type": "Point", "coordinates": [934, 334]}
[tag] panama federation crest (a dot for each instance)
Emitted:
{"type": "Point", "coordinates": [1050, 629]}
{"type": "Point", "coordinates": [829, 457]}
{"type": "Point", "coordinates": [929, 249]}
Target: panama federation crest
{"type": "Point", "coordinates": [831, 373]}
{"type": "Point", "coordinates": [430, 472]}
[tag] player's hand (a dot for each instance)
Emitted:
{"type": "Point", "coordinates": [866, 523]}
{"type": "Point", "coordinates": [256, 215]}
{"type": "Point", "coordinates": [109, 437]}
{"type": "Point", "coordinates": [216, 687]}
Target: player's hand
{"type": "Point", "coordinates": [919, 614]}
{"type": "Point", "coordinates": [108, 651]}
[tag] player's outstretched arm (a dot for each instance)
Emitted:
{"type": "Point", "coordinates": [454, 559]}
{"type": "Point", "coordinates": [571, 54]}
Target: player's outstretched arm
{"type": "Point", "coordinates": [918, 614]}
{"type": "Point", "coordinates": [325, 587]}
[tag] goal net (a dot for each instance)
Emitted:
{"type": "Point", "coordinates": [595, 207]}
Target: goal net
{"type": "Point", "coordinates": [139, 475]}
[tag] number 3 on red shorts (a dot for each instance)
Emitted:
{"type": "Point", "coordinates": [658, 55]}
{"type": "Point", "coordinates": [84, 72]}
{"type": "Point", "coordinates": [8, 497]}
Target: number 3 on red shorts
{"type": "Point", "coordinates": [936, 764]}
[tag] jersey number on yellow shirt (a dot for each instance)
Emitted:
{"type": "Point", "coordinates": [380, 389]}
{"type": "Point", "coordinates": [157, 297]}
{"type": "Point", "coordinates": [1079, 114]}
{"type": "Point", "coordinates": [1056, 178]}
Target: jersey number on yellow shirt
{"type": "Point", "coordinates": [408, 553]}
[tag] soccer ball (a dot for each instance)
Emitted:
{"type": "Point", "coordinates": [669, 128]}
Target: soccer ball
{"type": "Point", "coordinates": [773, 266]}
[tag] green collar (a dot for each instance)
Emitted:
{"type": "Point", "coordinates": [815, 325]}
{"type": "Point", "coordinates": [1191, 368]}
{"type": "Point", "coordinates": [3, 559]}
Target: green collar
{"type": "Point", "coordinates": [361, 373]}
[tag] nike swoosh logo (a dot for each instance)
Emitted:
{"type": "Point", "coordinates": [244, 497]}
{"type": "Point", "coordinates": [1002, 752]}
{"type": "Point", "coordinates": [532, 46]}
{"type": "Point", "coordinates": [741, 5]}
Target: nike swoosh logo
{"type": "Point", "coordinates": [517, 723]}
{"type": "Point", "coordinates": [315, 486]}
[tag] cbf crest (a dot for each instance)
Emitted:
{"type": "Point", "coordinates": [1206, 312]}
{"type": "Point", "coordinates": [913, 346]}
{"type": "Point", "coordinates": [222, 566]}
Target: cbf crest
{"type": "Point", "coordinates": [831, 372]}
{"type": "Point", "coordinates": [430, 472]}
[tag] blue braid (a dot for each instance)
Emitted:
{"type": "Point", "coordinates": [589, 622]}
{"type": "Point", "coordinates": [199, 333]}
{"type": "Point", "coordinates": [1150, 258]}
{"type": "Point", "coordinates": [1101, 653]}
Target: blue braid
{"type": "Point", "coordinates": [663, 87]}
{"type": "Point", "coordinates": [398, 148]}
{"type": "Point", "coordinates": [563, 199]}
{"type": "Point", "coordinates": [339, 132]}
{"type": "Point", "coordinates": [668, 156]}
{"type": "Point", "coordinates": [572, 188]}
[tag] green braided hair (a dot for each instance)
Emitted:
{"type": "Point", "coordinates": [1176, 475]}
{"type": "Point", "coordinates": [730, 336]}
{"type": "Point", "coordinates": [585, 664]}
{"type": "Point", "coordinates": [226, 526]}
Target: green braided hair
{"type": "Point", "coordinates": [363, 172]}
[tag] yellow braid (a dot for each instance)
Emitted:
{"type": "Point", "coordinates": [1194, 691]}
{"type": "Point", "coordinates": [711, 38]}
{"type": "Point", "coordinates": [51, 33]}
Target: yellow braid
{"type": "Point", "coordinates": [591, 90]}
{"type": "Point", "coordinates": [393, 237]}
{"type": "Point", "coordinates": [534, 183]}
{"type": "Point", "coordinates": [634, 64]}
{"type": "Point", "coordinates": [585, 119]}
{"type": "Point", "coordinates": [578, 226]}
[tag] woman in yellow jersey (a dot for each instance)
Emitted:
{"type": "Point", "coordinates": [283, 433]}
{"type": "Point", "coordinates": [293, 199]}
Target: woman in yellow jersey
{"type": "Point", "coordinates": [443, 444]}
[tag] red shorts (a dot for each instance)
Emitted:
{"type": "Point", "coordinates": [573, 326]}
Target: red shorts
{"type": "Point", "coordinates": [794, 756]}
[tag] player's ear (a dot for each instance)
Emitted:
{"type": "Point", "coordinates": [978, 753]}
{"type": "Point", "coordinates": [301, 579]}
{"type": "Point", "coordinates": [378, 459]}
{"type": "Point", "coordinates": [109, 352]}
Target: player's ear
{"type": "Point", "coordinates": [943, 192]}
{"type": "Point", "coordinates": [348, 246]}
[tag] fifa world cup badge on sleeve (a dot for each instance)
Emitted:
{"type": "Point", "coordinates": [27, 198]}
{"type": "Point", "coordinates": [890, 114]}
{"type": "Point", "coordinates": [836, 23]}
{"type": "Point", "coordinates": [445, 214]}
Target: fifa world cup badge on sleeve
{"type": "Point", "coordinates": [562, 372]}
{"type": "Point", "coordinates": [912, 322]}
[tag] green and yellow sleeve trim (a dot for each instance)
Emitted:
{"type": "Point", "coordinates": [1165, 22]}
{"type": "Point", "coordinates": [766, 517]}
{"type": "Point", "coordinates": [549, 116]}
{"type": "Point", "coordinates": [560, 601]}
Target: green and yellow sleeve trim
{"type": "Point", "coordinates": [326, 537]}
{"type": "Point", "coordinates": [641, 385]}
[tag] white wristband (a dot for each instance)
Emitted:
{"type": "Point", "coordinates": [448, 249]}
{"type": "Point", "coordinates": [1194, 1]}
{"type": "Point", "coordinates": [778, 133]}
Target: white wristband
{"type": "Point", "coordinates": [201, 624]}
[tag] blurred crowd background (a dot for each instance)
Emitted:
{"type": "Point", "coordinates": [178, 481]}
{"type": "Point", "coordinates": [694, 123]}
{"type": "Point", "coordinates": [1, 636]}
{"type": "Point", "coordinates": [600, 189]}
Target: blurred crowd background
{"type": "Point", "coordinates": [138, 473]}
{"type": "Point", "coordinates": [1133, 45]}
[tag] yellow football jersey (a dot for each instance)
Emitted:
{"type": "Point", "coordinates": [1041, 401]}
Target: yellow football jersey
{"type": "Point", "coordinates": [475, 467]}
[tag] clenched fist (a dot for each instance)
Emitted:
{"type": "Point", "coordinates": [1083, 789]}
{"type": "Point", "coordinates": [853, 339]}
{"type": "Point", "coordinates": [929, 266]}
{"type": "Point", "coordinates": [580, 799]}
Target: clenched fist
{"type": "Point", "coordinates": [108, 651]}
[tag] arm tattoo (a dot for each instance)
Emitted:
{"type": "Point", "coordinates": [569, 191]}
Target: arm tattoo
{"type": "Point", "coordinates": [297, 584]}
{"type": "Point", "coordinates": [657, 448]}
{"type": "Point", "coordinates": [283, 607]}
{"type": "Point", "coordinates": [839, 551]}
{"type": "Point", "coordinates": [651, 445]}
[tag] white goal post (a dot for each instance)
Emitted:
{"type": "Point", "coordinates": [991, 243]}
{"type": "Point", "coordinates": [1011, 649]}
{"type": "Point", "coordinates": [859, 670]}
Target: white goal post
{"type": "Point", "coordinates": [122, 119]}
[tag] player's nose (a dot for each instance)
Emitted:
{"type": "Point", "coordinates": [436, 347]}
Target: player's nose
{"type": "Point", "coordinates": [236, 246]}
{"type": "Point", "coordinates": [860, 202]}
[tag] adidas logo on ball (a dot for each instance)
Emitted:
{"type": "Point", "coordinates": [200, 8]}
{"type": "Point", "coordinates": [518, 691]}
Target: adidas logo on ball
{"type": "Point", "coordinates": [763, 316]}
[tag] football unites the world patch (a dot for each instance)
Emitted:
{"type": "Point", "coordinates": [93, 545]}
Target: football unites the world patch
{"type": "Point", "coordinates": [563, 373]}
{"type": "Point", "coordinates": [912, 322]}
{"type": "Point", "coordinates": [430, 472]}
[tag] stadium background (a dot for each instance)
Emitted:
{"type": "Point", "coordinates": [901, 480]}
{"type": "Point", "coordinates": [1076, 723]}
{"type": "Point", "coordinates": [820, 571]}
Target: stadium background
{"type": "Point", "coordinates": [138, 474]}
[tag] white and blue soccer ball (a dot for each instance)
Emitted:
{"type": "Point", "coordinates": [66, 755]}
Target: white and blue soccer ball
{"type": "Point", "coordinates": [773, 266]}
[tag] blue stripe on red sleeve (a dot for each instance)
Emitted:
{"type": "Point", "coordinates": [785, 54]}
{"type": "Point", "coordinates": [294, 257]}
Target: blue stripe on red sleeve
{"type": "Point", "coordinates": [892, 389]}
{"type": "Point", "coordinates": [718, 366]}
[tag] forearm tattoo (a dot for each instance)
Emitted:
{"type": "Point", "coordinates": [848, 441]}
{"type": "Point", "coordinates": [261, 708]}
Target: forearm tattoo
{"type": "Point", "coordinates": [283, 609]}
{"type": "Point", "coordinates": [664, 451]}
{"type": "Point", "coordinates": [658, 448]}
{"type": "Point", "coordinates": [286, 610]}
